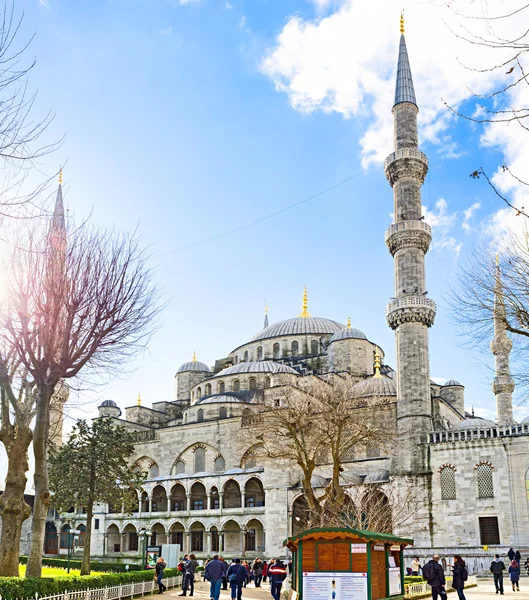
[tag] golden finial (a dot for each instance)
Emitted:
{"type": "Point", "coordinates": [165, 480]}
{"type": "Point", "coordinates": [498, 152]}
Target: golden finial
{"type": "Point", "coordinates": [304, 305]}
{"type": "Point", "coordinates": [497, 260]}
{"type": "Point", "coordinates": [402, 22]}
{"type": "Point", "coordinates": [266, 309]}
{"type": "Point", "coordinates": [139, 399]}
{"type": "Point", "coordinates": [377, 365]}
{"type": "Point", "coordinates": [348, 322]}
{"type": "Point", "coordinates": [60, 177]}
{"type": "Point", "coordinates": [194, 359]}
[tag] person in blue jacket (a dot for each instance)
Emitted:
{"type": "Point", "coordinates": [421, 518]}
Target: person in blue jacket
{"type": "Point", "coordinates": [514, 574]}
{"type": "Point", "coordinates": [237, 577]}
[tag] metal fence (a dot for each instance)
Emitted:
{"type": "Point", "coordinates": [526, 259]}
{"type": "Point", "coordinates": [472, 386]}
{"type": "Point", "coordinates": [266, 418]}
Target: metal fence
{"type": "Point", "coordinates": [115, 592]}
{"type": "Point", "coordinates": [412, 590]}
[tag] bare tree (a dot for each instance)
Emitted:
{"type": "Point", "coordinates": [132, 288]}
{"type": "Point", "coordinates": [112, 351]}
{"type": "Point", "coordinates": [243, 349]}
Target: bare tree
{"type": "Point", "coordinates": [317, 422]}
{"type": "Point", "coordinates": [509, 63]}
{"type": "Point", "coordinates": [83, 301]}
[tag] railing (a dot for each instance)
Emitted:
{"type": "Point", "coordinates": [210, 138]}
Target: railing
{"type": "Point", "coordinates": [418, 589]}
{"type": "Point", "coordinates": [410, 301]}
{"type": "Point", "coordinates": [115, 592]}
{"type": "Point", "coordinates": [405, 153]}
{"type": "Point", "coordinates": [148, 435]}
{"type": "Point", "coordinates": [407, 225]}
{"type": "Point", "coordinates": [479, 433]}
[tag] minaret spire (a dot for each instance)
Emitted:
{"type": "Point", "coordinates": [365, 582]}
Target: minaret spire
{"type": "Point", "coordinates": [501, 346]}
{"type": "Point", "coordinates": [304, 305]}
{"type": "Point", "coordinates": [410, 313]}
{"type": "Point", "coordinates": [58, 222]}
{"type": "Point", "coordinates": [266, 317]}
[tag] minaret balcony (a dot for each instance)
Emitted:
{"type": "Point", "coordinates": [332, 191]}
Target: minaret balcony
{"type": "Point", "coordinates": [502, 384]}
{"type": "Point", "coordinates": [411, 309]}
{"type": "Point", "coordinates": [408, 234]}
{"type": "Point", "coordinates": [406, 163]}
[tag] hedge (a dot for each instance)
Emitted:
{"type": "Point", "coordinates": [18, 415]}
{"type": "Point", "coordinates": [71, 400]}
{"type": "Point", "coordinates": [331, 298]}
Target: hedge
{"type": "Point", "coordinates": [19, 587]}
{"type": "Point", "coordinates": [414, 579]}
{"type": "Point", "coordinates": [94, 565]}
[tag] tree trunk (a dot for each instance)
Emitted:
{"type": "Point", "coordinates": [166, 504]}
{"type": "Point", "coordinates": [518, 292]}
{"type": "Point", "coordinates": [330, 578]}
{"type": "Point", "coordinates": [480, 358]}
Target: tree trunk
{"type": "Point", "coordinates": [13, 509]}
{"type": "Point", "coordinates": [85, 567]}
{"type": "Point", "coordinates": [42, 492]}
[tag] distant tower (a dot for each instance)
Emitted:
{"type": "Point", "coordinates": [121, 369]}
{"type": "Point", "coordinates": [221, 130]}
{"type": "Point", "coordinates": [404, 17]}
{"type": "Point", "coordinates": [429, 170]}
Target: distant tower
{"type": "Point", "coordinates": [501, 346]}
{"type": "Point", "coordinates": [57, 253]}
{"type": "Point", "coordinates": [410, 313]}
{"type": "Point", "coordinates": [266, 317]}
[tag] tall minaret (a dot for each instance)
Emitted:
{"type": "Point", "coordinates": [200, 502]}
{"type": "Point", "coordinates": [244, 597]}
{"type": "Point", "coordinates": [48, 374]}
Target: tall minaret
{"type": "Point", "coordinates": [410, 313]}
{"type": "Point", "coordinates": [501, 346]}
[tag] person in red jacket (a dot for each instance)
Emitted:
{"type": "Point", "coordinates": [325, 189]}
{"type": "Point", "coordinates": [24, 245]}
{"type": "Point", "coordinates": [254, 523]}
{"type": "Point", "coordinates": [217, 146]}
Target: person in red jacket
{"type": "Point", "coordinates": [265, 569]}
{"type": "Point", "coordinates": [277, 574]}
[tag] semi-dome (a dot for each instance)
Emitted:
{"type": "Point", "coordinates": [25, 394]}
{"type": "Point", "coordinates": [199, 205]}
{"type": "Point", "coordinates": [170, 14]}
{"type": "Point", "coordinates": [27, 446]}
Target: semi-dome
{"type": "Point", "coordinates": [453, 382]}
{"type": "Point", "coordinates": [348, 333]}
{"type": "Point", "coordinates": [526, 420]}
{"type": "Point", "coordinates": [377, 476]}
{"type": "Point", "coordinates": [216, 398]}
{"type": "Point", "coordinates": [299, 326]}
{"type": "Point", "coordinates": [475, 423]}
{"type": "Point", "coordinates": [260, 366]}
{"type": "Point", "coordinates": [378, 385]}
{"type": "Point", "coordinates": [194, 365]}
{"type": "Point", "coordinates": [109, 403]}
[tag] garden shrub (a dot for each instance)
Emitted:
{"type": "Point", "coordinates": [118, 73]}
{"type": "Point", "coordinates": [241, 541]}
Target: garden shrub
{"type": "Point", "coordinates": [414, 579]}
{"type": "Point", "coordinates": [94, 565]}
{"type": "Point", "coordinates": [19, 587]}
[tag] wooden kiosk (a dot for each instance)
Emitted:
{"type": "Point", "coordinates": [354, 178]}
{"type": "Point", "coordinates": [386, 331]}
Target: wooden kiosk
{"type": "Point", "coordinates": [340, 563]}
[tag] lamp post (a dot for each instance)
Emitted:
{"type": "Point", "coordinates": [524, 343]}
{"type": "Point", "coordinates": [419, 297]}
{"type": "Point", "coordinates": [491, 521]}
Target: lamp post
{"type": "Point", "coordinates": [143, 530]}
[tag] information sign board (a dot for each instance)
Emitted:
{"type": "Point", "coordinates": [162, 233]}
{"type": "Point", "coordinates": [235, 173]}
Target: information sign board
{"type": "Point", "coordinates": [334, 586]}
{"type": "Point", "coordinates": [358, 548]}
{"type": "Point", "coordinates": [395, 583]}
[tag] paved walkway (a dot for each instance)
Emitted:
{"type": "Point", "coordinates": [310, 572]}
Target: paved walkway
{"type": "Point", "coordinates": [484, 590]}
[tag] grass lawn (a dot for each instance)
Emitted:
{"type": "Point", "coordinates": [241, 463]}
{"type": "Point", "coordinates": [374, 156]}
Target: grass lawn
{"type": "Point", "coordinates": [50, 571]}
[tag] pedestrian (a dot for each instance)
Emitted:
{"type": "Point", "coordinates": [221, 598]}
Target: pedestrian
{"type": "Point", "coordinates": [160, 566]}
{"type": "Point", "coordinates": [415, 566]}
{"type": "Point", "coordinates": [215, 571]}
{"type": "Point", "coordinates": [265, 569]}
{"type": "Point", "coordinates": [257, 569]}
{"type": "Point", "coordinates": [517, 557]}
{"type": "Point", "coordinates": [189, 575]}
{"type": "Point", "coordinates": [511, 554]}
{"type": "Point", "coordinates": [248, 572]}
{"type": "Point", "coordinates": [435, 577]}
{"type": "Point", "coordinates": [496, 568]}
{"type": "Point", "coordinates": [277, 573]}
{"type": "Point", "coordinates": [224, 577]}
{"type": "Point", "coordinates": [514, 574]}
{"type": "Point", "coordinates": [237, 576]}
{"type": "Point", "coordinates": [527, 566]}
{"type": "Point", "coordinates": [460, 575]}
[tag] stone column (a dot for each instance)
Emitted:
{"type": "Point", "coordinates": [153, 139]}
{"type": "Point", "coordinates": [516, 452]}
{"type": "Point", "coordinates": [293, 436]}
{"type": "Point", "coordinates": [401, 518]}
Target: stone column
{"type": "Point", "coordinates": [241, 541]}
{"type": "Point", "coordinates": [208, 502]}
{"type": "Point", "coordinates": [188, 503]}
{"type": "Point", "coordinates": [243, 498]}
{"type": "Point", "coordinates": [208, 543]}
{"type": "Point", "coordinates": [187, 542]}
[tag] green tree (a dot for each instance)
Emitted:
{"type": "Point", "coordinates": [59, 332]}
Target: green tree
{"type": "Point", "coordinates": [91, 468]}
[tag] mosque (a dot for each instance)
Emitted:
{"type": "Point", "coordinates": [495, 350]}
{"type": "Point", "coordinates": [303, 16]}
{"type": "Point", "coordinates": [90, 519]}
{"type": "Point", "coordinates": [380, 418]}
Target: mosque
{"type": "Point", "coordinates": [468, 475]}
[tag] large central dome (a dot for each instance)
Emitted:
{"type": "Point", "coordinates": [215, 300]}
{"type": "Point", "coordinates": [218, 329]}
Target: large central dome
{"type": "Point", "coordinates": [299, 326]}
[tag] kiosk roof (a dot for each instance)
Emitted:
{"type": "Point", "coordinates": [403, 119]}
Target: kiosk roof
{"type": "Point", "coordinates": [345, 533]}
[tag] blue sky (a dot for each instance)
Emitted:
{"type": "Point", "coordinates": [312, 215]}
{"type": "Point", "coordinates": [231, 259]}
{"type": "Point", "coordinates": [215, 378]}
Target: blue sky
{"type": "Point", "coordinates": [186, 120]}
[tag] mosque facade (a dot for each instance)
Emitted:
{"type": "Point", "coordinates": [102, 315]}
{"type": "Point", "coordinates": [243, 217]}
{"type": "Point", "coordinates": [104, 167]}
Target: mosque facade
{"type": "Point", "coordinates": [209, 493]}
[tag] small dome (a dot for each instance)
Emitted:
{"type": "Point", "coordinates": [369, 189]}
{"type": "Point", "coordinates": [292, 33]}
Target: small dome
{"type": "Point", "coordinates": [219, 398]}
{"type": "Point", "coordinates": [475, 423]}
{"type": "Point", "coordinates": [299, 326]}
{"type": "Point", "coordinates": [348, 333]}
{"type": "Point", "coordinates": [453, 382]}
{"type": "Point", "coordinates": [377, 476]}
{"type": "Point", "coordinates": [375, 386]}
{"type": "Point", "coordinates": [260, 366]}
{"type": "Point", "coordinates": [316, 481]}
{"type": "Point", "coordinates": [194, 365]}
{"type": "Point", "coordinates": [109, 403]}
{"type": "Point", "coordinates": [526, 420]}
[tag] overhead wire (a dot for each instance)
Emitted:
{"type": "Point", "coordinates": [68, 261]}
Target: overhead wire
{"type": "Point", "coordinates": [274, 214]}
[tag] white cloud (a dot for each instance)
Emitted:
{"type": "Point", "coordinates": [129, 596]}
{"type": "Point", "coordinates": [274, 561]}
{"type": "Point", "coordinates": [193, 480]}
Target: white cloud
{"type": "Point", "coordinates": [182, 2]}
{"type": "Point", "coordinates": [468, 213]}
{"type": "Point", "coordinates": [242, 22]}
{"type": "Point", "coordinates": [228, 6]}
{"type": "Point", "coordinates": [345, 62]}
{"type": "Point", "coordinates": [45, 4]}
{"type": "Point", "coordinates": [442, 222]}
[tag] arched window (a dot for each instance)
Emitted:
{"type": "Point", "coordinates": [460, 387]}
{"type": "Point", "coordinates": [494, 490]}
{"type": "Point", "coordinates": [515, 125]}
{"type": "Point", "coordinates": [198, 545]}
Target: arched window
{"type": "Point", "coordinates": [246, 356]}
{"type": "Point", "coordinates": [236, 361]}
{"type": "Point", "coordinates": [236, 385]}
{"type": "Point", "coordinates": [485, 483]}
{"type": "Point", "coordinates": [295, 348]}
{"type": "Point", "coordinates": [252, 384]}
{"type": "Point", "coordinates": [208, 389]}
{"type": "Point", "coordinates": [222, 387]}
{"type": "Point", "coordinates": [314, 347]}
{"type": "Point", "coordinates": [448, 482]}
{"type": "Point", "coordinates": [179, 467]}
{"type": "Point", "coordinates": [66, 540]}
{"type": "Point", "coordinates": [200, 415]}
{"type": "Point", "coordinates": [200, 459]}
{"type": "Point", "coordinates": [259, 353]}
{"type": "Point", "coordinates": [199, 393]}
{"type": "Point", "coordinates": [215, 546]}
{"type": "Point", "coordinates": [277, 350]}
{"type": "Point", "coordinates": [192, 396]}
{"type": "Point", "coordinates": [219, 466]}
{"type": "Point", "coordinates": [267, 382]}
{"type": "Point", "coordinates": [223, 412]}
{"type": "Point", "coordinates": [348, 454]}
